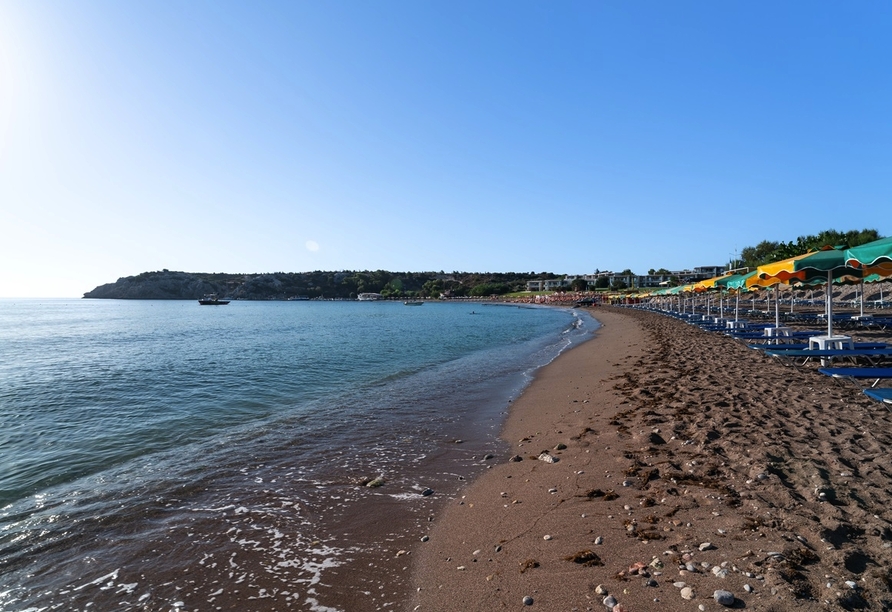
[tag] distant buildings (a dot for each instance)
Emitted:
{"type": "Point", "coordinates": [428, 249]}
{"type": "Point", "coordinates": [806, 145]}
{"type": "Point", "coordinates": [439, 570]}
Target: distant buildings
{"type": "Point", "coordinates": [630, 281]}
{"type": "Point", "coordinates": [548, 285]}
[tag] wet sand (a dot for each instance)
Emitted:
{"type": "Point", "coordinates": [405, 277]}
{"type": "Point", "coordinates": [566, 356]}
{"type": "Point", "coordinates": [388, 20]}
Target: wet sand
{"type": "Point", "coordinates": [686, 463]}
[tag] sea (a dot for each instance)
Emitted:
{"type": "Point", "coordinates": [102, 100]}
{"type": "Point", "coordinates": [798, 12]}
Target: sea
{"type": "Point", "coordinates": [166, 456]}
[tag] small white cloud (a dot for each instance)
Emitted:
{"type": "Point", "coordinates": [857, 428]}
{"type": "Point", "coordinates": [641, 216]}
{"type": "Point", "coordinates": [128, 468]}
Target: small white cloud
{"type": "Point", "coordinates": [312, 245]}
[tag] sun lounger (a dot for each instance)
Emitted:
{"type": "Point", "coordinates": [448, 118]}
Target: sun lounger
{"type": "Point", "coordinates": [859, 346]}
{"type": "Point", "coordinates": [799, 357]}
{"type": "Point", "coordinates": [880, 395]}
{"type": "Point", "coordinates": [787, 338]}
{"type": "Point", "coordinates": [877, 374]}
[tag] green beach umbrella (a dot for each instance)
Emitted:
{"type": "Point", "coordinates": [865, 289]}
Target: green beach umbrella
{"type": "Point", "coordinates": [831, 266]}
{"type": "Point", "coordinates": [876, 253]}
{"type": "Point", "coordinates": [737, 283]}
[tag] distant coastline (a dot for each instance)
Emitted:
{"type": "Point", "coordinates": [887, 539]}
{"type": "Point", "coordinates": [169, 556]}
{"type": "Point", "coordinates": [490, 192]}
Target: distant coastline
{"type": "Point", "coordinates": [173, 285]}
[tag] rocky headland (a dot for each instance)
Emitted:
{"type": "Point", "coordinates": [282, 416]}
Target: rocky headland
{"type": "Point", "coordinates": [347, 284]}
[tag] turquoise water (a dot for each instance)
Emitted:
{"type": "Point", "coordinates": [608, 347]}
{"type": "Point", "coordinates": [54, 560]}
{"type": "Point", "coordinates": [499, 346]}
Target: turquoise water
{"type": "Point", "coordinates": [152, 454]}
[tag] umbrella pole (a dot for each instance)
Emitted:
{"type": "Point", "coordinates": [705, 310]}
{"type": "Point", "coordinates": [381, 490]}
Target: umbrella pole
{"type": "Point", "coordinates": [737, 307]}
{"type": "Point", "coordinates": [776, 306]}
{"type": "Point", "coordinates": [862, 296]}
{"type": "Point", "coordinates": [829, 306]}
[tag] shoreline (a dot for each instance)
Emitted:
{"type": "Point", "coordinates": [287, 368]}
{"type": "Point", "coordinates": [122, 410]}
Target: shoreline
{"type": "Point", "coordinates": [692, 465]}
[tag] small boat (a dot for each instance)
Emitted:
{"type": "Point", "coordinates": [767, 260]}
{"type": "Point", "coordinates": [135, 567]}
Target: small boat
{"type": "Point", "coordinates": [413, 303]}
{"type": "Point", "coordinates": [211, 299]}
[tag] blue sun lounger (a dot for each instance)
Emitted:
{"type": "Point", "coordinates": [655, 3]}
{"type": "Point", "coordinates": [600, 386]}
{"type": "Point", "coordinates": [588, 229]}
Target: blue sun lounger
{"type": "Point", "coordinates": [877, 374]}
{"type": "Point", "coordinates": [880, 395]}
{"type": "Point", "coordinates": [779, 348]}
{"type": "Point", "coordinates": [799, 357]}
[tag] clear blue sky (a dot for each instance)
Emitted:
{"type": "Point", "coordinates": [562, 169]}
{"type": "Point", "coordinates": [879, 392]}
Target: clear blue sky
{"type": "Point", "coordinates": [418, 135]}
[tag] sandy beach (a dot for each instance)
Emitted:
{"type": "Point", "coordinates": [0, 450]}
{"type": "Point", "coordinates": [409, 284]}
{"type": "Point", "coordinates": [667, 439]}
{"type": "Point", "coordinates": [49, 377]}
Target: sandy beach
{"type": "Point", "coordinates": [658, 464]}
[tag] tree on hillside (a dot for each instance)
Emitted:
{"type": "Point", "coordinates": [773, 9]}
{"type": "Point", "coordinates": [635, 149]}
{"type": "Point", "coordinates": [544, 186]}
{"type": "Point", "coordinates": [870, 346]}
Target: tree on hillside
{"type": "Point", "coordinates": [768, 251]}
{"type": "Point", "coordinates": [579, 284]}
{"type": "Point", "coordinates": [489, 289]}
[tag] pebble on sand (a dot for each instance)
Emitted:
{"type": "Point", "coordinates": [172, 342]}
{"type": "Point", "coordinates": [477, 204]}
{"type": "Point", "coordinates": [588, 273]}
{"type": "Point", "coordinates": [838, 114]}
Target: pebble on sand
{"type": "Point", "coordinates": [724, 598]}
{"type": "Point", "coordinates": [527, 601]}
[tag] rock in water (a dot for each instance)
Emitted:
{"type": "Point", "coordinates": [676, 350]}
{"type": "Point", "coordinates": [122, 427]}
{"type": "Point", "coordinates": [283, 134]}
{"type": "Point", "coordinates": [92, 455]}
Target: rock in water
{"type": "Point", "coordinates": [376, 482]}
{"type": "Point", "coordinates": [427, 492]}
{"type": "Point", "coordinates": [724, 598]}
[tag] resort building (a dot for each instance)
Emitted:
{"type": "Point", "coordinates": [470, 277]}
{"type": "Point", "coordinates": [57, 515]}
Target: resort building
{"type": "Point", "coordinates": [630, 281]}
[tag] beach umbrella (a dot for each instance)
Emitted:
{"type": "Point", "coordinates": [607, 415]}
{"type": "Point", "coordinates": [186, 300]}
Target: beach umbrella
{"type": "Point", "coordinates": [706, 286]}
{"type": "Point", "coordinates": [826, 266]}
{"type": "Point", "coordinates": [773, 275]}
{"type": "Point", "coordinates": [769, 275]}
{"type": "Point", "coordinates": [873, 254]}
{"type": "Point", "coordinates": [818, 267]}
{"type": "Point", "coordinates": [736, 283]}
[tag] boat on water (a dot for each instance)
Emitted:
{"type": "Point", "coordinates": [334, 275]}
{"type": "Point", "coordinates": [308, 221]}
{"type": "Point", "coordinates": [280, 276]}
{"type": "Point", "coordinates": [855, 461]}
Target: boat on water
{"type": "Point", "coordinates": [211, 299]}
{"type": "Point", "coordinates": [415, 303]}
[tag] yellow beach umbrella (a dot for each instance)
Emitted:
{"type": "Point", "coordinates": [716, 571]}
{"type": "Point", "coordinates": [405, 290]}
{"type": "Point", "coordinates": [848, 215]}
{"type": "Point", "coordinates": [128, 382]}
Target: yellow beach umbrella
{"type": "Point", "coordinates": [772, 274]}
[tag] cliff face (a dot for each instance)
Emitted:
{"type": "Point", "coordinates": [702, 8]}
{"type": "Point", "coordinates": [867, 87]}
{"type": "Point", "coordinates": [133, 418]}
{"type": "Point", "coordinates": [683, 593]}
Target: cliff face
{"type": "Point", "coordinates": [159, 286]}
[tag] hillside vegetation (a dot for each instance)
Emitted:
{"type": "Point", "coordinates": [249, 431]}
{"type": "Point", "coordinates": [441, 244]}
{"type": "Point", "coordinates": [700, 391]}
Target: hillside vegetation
{"type": "Point", "coordinates": [167, 285]}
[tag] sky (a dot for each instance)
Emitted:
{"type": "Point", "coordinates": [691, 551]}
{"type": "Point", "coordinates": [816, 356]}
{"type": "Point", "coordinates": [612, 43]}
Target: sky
{"type": "Point", "coordinates": [412, 135]}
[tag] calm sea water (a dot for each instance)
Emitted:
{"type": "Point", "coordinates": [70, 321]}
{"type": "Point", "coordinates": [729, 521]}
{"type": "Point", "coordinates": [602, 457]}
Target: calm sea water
{"type": "Point", "coordinates": [167, 456]}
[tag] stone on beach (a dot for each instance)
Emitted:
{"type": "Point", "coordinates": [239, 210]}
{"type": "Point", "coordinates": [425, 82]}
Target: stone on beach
{"type": "Point", "coordinates": [724, 598]}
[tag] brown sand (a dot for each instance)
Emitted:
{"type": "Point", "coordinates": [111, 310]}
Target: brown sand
{"type": "Point", "coordinates": [675, 438]}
